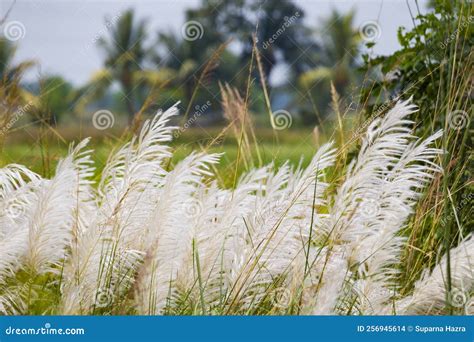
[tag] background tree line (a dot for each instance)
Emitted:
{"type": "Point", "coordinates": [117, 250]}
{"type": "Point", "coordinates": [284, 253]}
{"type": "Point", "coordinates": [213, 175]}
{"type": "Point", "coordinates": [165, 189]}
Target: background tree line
{"type": "Point", "coordinates": [170, 66]}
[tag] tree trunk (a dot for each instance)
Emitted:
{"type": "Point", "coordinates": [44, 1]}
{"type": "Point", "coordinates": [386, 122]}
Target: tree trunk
{"type": "Point", "coordinates": [127, 88]}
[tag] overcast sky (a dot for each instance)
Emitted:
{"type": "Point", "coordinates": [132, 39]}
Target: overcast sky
{"type": "Point", "coordinates": [60, 35]}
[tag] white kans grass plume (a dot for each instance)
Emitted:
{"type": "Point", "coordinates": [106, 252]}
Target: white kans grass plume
{"type": "Point", "coordinates": [16, 183]}
{"type": "Point", "coordinates": [112, 243]}
{"type": "Point", "coordinates": [128, 244]}
{"type": "Point", "coordinates": [374, 202]}
{"type": "Point", "coordinates": [170, 233]}
{"type": "Point", "coordinates": [430, 293]}
{"type": "Point", "coordinates": [51, 214]}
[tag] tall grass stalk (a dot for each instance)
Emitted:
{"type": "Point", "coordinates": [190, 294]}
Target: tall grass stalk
{"type": "Point", "coordinates": [148, 239]}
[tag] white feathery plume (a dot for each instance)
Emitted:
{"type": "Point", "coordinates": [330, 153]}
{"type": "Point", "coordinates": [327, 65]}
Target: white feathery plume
{"type": "Point", "coordinates": [284, 234]}
{"type": "Point", "coordinates": [217, 236]}
{"type": "Point", "coordinates": [329, 289]}
{"type": "Point", "coordinates": [430, 295]}
{"type": "Point", "coordinates": [204, 281]}
{"type": "Point", "coordinates": [162, 236]}
{"type": "Point", "coordinates": [85, 206]}
{"type": "Point", "coordinates": [274, 226]}
{"type": "Point", "coordinates": [13, 177]}
{"type": "Point", "coordinates": [51, 213]}
{"type": "Point", "coordinates": [170, 237]}
{"type": "Point", "coordinates": [375, 200]}
{"type": "Point", "coordinates": [379, 250]}
{"type": "Point", "coordinates": [39, 235]}
{"type": "Point", "coordinates": [131, 177]}
{"type": "Point", "coordinates": [385, 141]}
{"type": "Point", "coordinates": [236, 245]}
{"type": "Point", "coordinates": [108, 251]}
{"type": "Point", "coordinates": [16, 187]}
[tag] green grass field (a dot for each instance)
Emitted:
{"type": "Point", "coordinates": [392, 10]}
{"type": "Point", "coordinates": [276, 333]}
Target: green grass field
{"type": "Point", "coordinates": [41, 153]}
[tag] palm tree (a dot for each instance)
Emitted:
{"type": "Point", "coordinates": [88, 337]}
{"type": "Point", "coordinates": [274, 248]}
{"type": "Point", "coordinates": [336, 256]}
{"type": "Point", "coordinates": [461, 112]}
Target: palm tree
{"type": "Point", "coordinates": [184, 63]}
{"type": "Point", "coordinates": [12, 95]}
{"type": "Point", "coordinates": [11, 74]}
{"type": "Point", "coordinates": [125, 53]}
{"type": "Point", "coordinates": [339, 42]}
{"type": "Point", "coordinates": [125, 57]}
{"type": "Point", "coordinates": [181, 58]}
{"type": "Point", "coordinates": [54, 99]}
